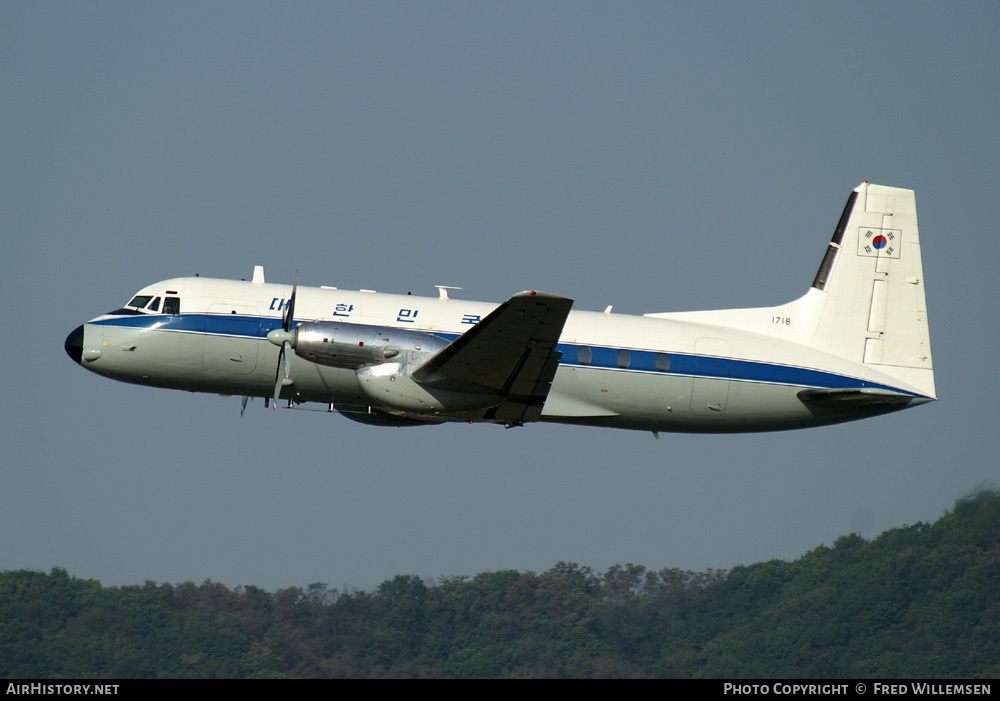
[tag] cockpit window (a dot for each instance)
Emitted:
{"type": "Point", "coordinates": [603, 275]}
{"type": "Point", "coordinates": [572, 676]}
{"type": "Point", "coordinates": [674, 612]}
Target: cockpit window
{"type": "Point", "coordinates": [139, 301]}
{"type": "Point", "coordinates": [172, 305]}
{"type": "Point", "coordinates": [155, 306]}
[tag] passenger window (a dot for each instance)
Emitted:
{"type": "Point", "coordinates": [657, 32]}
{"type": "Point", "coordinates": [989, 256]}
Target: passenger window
{"type": "Point", "coordinates": [584, 356]}
{"type": "Point", "coordinates": [662, 362]}
{"type": "Point", "coordinates": [624, 358]}
{"type": "Point", "coordinates": [155, 306]}
{"type": "Point", "coordinates": [172, 305]}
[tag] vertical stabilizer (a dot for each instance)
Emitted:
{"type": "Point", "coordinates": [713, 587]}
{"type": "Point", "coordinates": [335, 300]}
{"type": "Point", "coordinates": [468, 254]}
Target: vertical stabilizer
{"type": "Point", "coordinates": [871, 284]}
{"type": "Point", "coordinates": [867, 300]}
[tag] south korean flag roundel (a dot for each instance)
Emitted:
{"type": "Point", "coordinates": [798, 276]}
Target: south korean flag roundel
{"type": "Point", "coordinates": [879, 243]}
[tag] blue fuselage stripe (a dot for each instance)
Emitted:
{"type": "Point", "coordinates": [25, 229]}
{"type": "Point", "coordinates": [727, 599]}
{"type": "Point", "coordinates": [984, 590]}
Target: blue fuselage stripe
{"type": "Point", "coordinates": [603, 357]}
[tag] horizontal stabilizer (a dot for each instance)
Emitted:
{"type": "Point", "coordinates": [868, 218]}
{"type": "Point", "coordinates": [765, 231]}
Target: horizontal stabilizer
{"type": "Point", "coordinates": [856, 397]}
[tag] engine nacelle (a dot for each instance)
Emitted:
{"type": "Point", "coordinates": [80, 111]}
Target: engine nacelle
{"type": "Point", "coordinates": [384, 358]}
{"type": "Point", "coordinates": [357, 345]}
{"type": "Point", "coordinates": [390, 386]}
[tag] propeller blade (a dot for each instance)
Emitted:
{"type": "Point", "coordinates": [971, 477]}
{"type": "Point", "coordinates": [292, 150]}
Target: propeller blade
{"type": "Point", "coordinates": [278, 379]}
{"type": "Point", "coordinates": [286, 322]}
{"type": "Point", "coordinates": [287, 348]}
{"type": "Point", "coordinates": [243, 405]}
{"type": "Point", "coordinates": [284, 361]}
{"type": "Point", "coordinates": [282, 339]}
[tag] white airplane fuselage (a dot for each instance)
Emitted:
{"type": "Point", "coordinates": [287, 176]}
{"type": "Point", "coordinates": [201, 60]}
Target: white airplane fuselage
{"type": "Point", "coordinates": [731, 371]}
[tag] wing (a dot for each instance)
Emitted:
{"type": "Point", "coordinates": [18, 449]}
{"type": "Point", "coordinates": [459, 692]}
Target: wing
{"type": "Point", "coordinates": [512, 353]}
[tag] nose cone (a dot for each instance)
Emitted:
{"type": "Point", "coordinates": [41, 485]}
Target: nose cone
{"type": "Point", "coordinates": [74, 344]}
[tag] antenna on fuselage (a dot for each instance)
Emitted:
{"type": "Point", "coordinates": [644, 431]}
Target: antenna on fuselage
{"type": "Point", "coordinates": [443, 290]}
{"type": "Point", "coordinates": [258, 275]}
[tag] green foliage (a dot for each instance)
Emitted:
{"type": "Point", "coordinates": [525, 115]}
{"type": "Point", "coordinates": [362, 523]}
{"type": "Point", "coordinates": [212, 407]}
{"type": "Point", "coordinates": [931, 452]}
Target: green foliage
{"type": "Point", "coordinates": [918, 601]}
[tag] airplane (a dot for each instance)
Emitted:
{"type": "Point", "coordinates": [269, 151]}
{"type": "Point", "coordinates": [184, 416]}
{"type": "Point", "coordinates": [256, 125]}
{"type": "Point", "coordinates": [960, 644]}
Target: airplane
{"type": "Point", "coordinates": [855, 345]}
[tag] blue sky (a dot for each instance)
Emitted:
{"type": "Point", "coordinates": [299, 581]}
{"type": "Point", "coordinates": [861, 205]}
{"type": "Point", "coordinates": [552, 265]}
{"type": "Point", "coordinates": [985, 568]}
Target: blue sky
{"type": "Point", "coordinates": [653, 156]}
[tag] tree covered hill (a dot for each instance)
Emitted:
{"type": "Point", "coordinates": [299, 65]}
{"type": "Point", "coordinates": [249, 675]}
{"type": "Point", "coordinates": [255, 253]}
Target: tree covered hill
{"type": "Point", "coordinates": [918, 601]}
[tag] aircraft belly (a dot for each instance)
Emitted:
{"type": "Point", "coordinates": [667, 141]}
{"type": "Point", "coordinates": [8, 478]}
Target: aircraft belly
{"type": "Point", "coordinates": [757, 406]}
{"type": "Point", "coordinates": [176, 360]}
{"type": "Point", "coordinates": [618, 398]}
{"type": "Point", "coordinates": [561, 405]}
{"type": "Point", "coordinates": [663, 402]}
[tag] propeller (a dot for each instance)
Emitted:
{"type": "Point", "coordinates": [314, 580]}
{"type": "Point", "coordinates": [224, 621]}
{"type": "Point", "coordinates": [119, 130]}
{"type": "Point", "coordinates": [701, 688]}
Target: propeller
{"type": "Point", "coordinates": [283, 339]}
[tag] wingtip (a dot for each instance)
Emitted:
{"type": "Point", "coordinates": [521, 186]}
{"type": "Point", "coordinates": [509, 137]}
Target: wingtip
{"type": "Point", "coordinates": [541, 295]}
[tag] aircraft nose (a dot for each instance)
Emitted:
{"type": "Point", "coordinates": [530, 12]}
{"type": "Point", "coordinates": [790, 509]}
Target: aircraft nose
{"type": "Point", "coordinates": [74, 344]}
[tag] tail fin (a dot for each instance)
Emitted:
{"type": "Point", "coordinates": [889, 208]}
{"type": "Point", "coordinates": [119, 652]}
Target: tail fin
{"type": "Point", "coordinates": [872, 283]}
{"type": "Point", "coordinates": [867, 301]}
